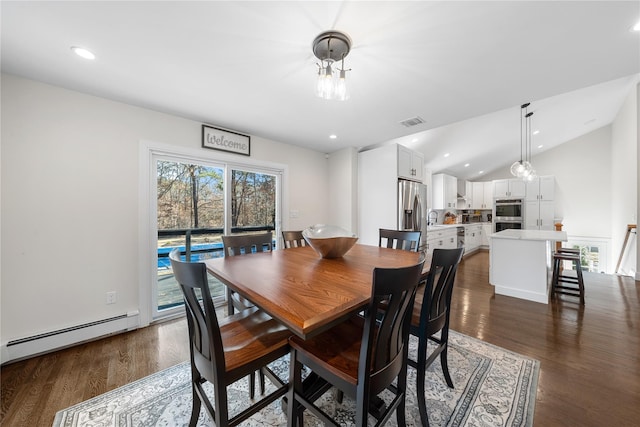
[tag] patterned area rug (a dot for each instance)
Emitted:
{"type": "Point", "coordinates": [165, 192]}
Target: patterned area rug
{"type": "Point", "coordinates": [493, 387]}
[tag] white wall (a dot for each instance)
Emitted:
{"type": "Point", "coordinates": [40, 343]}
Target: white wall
{"type": "Point", "coordinates": [624, 181]}
{"type": "Point", "coordinates": [343, 175]}
{"type": "Point", "coordinates": [70, 201]}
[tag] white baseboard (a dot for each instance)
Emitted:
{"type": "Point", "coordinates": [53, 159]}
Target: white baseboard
{"type": "Point", "coordinates": [43, 343]}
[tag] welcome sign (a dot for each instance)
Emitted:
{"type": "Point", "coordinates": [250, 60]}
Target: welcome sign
{"type": "Point", "coordinates": [219, 139]}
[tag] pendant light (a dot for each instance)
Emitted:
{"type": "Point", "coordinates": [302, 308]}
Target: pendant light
{"type": "Point", "coordinates": [523, 168]}
{"type": "Point", "coordinates": [330, 47]}
{"type": "Point", "coordinates": [529, 174]}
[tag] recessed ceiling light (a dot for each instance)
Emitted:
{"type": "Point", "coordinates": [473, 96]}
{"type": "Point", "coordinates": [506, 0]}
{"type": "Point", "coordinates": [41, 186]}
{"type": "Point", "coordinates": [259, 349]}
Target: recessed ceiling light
{"type": "Point", "coordinates": [446, 154]}
{"type": "Point", "coordinates": [636, 27]}
{"type": "Point", "coordinates": [535, 132]}
{"type": "Point", "coordinates": [82, 52]}
{"type": "Point", "coordinates": [466, 165]}
{"type": "Point", "coordinates": [540, 146]}
{"type": "Point", "coordinates": [333, 136]}
{"type": "Point", "coordinates": [481, 172]}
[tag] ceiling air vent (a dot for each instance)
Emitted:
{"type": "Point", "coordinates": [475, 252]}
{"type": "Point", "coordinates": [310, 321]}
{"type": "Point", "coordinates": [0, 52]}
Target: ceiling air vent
{"type": "Point", "coordinates": [413, 121]}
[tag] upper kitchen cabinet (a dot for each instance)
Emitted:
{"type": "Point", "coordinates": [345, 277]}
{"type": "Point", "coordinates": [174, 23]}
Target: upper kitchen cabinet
{"type": "Point", "coordinates": [465, 193]}
{"type": "Point", "coordinates": [541, 188]}
{"type": "Point", "coordinates": [410, 164]}
{"type": "Point", "coordinates": [482, 195]}
{"type": "Point", "coordinates": [444, 191]}
{"type": "Point", "coordinates": [512, 188]}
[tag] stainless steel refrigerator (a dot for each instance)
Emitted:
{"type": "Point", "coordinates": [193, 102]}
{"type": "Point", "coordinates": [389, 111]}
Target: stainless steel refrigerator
{"type": "Point", "coordinates": [412, 208]}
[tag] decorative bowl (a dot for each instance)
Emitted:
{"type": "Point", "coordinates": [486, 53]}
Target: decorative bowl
{"type": "Point", "coordinates": [329, 241]}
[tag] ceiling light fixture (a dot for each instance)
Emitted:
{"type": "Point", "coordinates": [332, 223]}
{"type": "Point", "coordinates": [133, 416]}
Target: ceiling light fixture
{"type": "Point", "coordinates": [332, 136]}
{"type": "Point", "coordinates": [636, 27]}
{"type": "Point", "coordinates": [82, 52]}
{"type": "Point", "coordinates": [330, 47]}
{"type": "Point", "coordinates": [523, 168]}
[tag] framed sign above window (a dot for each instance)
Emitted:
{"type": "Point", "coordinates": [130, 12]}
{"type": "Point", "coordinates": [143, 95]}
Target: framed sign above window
{"type": "Point", "coordinates": [224, 140]}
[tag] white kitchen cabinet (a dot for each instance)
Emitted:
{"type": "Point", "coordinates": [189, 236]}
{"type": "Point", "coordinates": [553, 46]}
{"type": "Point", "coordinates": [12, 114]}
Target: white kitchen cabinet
{"type": "Point", "coordinates": [472, 238]}
{"type": "Point", "coordinates": [410, 164]}
{"type": "Point", "coordinates": [512, 188]}
{"type": "Point", "coordinates": [445, 238]}
{"type": "Point", "coordinates": [539, 215]}
{"type": "Point", "coordinates": [539, 208]}
{"type": "Point", "coordinates": [444, 191]}
{"type": "Point", "coordinates": [487, 229]}
{"type": "Point", "coordinates": [482, 195]}
{"type": "Point", "coordinates": [465, 191]}
{"type": "Point", "coordinates": [541, 188]}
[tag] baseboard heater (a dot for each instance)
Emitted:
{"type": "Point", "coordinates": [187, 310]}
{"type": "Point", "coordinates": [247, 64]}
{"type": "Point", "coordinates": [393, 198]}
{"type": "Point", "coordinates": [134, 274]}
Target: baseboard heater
{"type": "Point", "coordinates": [54, 340]}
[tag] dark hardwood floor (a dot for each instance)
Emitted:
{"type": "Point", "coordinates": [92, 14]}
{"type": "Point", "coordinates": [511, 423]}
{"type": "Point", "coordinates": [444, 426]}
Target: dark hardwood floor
{"type": "Point", "coordinates": [589, 356]}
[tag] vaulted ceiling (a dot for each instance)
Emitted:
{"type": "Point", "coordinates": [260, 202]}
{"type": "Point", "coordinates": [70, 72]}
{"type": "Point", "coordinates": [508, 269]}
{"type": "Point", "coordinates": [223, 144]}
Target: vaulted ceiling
{"type": "Point", "coordinates": [463, 67]}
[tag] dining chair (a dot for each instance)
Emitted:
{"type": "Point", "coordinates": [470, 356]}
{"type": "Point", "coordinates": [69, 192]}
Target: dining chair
{"type": "Point", "coordinates": [431, 316]}
{"type": "Point", "coordinates": [361, 356]}
{"type": "Point", "coordinates": [399, 239]}
{"type": "Point", "coordinates": [223, 353]}
{"type": "Point", "coordinates": [293, 239]}
{"type": "Point", "coordinates": [243, 244]}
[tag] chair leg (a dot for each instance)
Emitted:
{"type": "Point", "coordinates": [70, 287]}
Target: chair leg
{"type": "Point", "coordinates": [445, 365]}
{"type": "Point", "coordinates": [195, 407]}
{"type": "Point", "coordinates": [230, 308]}
{"type": "Point", "coordinates": [421, 379]}
{"type": "Point", "coordinates": [252, 385]}
{"type": "Point", "coordinates": [554, 280]}
{"type": "Point", "coordinates": [580, 281]}
{"type": "Point", "coordinates": [402, 388]}
{"type": "Point", "coordinates": [261, 374]}
{"type": "Point", "coordinates": [294, 409]}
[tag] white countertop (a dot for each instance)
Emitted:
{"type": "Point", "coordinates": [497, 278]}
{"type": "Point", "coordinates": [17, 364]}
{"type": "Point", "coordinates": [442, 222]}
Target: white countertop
{"type": "Point", "coordinates": [445, 226]}
{"type": "Point", "coordinates": [554, 236]}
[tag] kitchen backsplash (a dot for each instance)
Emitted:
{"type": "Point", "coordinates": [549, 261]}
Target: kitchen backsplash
{"type": "Point", "coordinates": [460, 216]}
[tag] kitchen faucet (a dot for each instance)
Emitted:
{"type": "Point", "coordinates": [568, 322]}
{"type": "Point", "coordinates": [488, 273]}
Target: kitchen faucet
{"type": "Point", "coordinates": [430, 220]}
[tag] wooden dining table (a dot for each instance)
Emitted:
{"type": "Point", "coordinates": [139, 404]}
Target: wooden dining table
{"type": "Point", "coordinates": [303, 291]}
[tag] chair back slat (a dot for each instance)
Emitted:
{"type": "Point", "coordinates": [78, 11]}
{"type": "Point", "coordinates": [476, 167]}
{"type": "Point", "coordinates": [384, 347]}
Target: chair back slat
{"type": "Point", "coordinates": [243, 244]}
{"type": "Point", "coordinates": [293, 239]}
{"type": "Point", "coordinates": [386, 328]}
{"type": "Point", "coordinates": [439, 289]}
{"type": "Point", "coordinates": [204, 329]}
{"type": "Point", "coordinates": [399, 239]}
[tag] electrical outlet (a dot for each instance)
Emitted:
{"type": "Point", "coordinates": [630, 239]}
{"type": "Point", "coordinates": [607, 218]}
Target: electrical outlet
{"type": "Point", "coordinates": [111, 297]}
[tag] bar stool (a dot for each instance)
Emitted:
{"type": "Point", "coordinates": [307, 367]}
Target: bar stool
{"type": "Point", "coordinates": [559, 279]}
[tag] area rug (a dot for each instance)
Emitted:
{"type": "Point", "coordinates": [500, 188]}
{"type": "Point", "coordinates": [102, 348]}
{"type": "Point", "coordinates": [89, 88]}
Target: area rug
{"type": "Point", "coordinates": [493, 387]}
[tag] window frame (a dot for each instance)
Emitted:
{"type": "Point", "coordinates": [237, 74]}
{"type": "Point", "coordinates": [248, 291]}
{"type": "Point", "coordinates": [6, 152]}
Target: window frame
{"type": "Point", "coordinates": [149, 153]}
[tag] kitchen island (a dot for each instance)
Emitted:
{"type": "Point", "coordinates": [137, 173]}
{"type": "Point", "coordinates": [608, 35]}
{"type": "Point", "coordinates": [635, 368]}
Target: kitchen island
{"type": "Point", "coordinates": [520, 262]}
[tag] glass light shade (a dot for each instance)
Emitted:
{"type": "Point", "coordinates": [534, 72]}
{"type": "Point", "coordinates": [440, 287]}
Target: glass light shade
{"type": "Point", "coordinates": [326, 82]}
{"type": "Point", "coordinates": [320, 81]}
{"type": "Point", "coordinates": [517, 169]}
{"type": "Point", "coordinates": [341, 87]}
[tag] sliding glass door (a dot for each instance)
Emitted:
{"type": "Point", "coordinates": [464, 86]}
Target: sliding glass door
{"type": "Point", "coordinates": [197, 201]}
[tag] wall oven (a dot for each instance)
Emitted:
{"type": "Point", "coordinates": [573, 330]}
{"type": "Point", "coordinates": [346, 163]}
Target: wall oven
{"type": "Point", "coordinates": [507, 214]}
{"type": "Point", "coordinates": [507, 225]}
{"type": "Point", "coordinates": [508, 208]}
